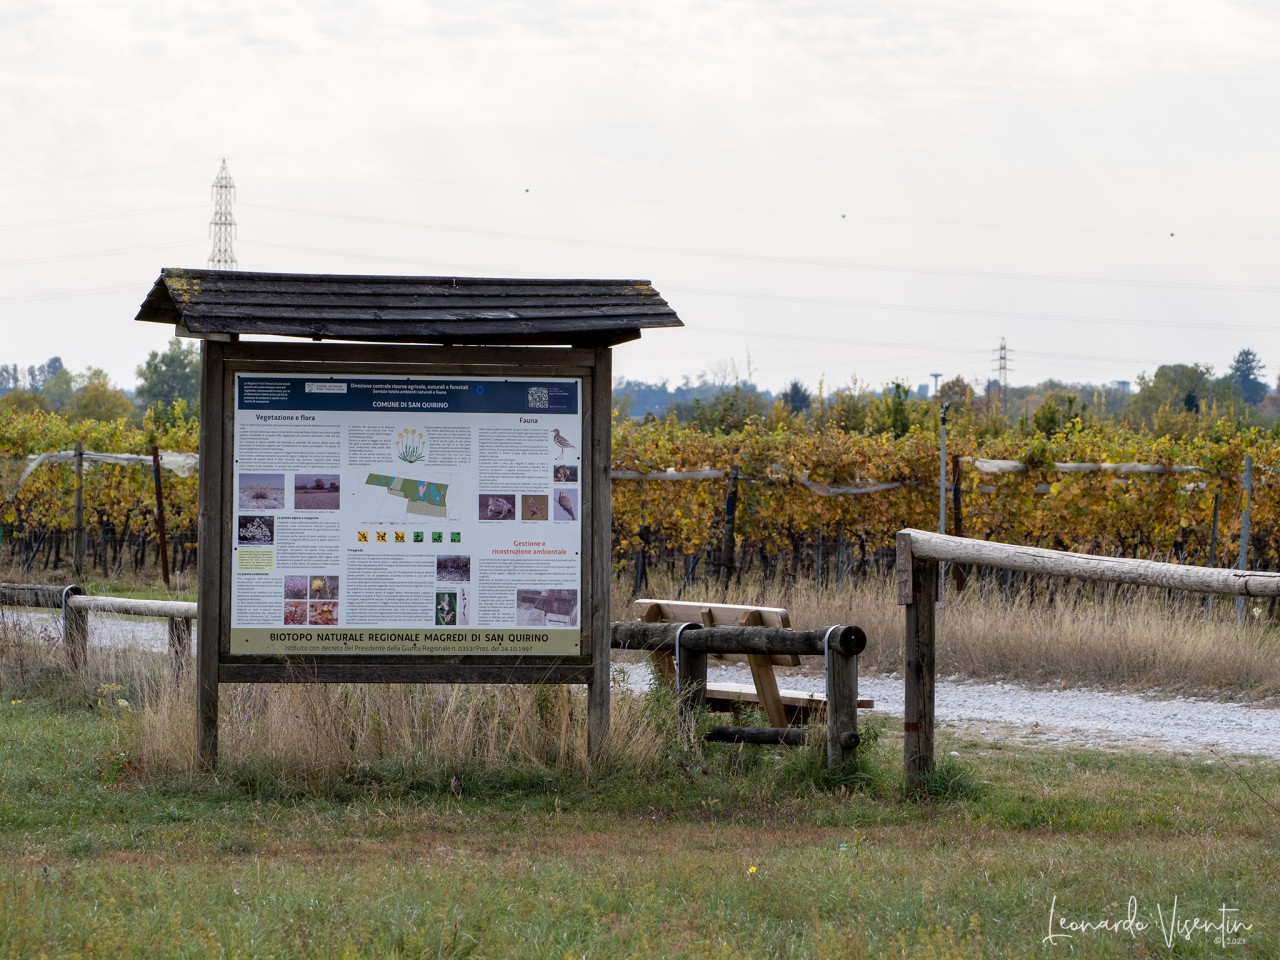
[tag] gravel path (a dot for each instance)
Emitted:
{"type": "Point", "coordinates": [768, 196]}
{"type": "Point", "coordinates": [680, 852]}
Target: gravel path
{"type": "Point", "coordinates": [1090, 718]}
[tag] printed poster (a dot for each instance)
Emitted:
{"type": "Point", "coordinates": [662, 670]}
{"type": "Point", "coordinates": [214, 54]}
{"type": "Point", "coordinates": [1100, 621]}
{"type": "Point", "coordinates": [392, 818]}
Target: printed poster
{"type": "Point", "coordinates": [406, 515]}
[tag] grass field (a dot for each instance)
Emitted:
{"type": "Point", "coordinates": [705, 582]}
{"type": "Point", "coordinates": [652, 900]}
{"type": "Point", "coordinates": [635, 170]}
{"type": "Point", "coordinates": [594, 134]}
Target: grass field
{"type": "Point", "coordinates": [308, 498]}
{"type": "Point", "coordinates": [366, 821]}
{"type": "Point", "coordinates": [715, 857]}
{"type": "Point", "coordinates": [328, 834]}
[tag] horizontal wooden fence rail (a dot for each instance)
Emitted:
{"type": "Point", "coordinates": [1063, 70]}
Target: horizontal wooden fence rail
{"type": "Point", "coordinates": [76, 606]}
{"type": "Point", "coordinates": [642, 635]}
{"type": "Point", "coordinates": [692, 642]}
{"type": "Point", "coordinates": [919, 554]}
{"type": "Point", "coordinates": [1082, 566]}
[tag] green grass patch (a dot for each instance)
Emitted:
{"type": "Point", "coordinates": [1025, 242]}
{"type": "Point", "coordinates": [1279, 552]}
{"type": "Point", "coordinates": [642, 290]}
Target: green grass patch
{"type": "Point", "coordinates": [723, 851]}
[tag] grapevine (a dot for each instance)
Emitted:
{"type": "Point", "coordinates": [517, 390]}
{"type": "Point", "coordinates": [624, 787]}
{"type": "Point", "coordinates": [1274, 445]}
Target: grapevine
{"type": "Point", "coordinates": [781, 460]}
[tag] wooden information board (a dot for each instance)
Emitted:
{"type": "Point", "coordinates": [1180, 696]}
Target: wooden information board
{"type": "Point", "coordinates": [432, 508]}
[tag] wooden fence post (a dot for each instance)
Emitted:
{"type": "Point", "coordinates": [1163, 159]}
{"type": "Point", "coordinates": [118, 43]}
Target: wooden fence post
{"type": "Point", "coordinates": [75, 629]}
{"type": "Point", "coordinates": [77, 547]}
{"type": "Point", "coordinates": [160, 532]}
{"type": "Point", "coordinates": [179, 634]}
{"type": "Point", "coordinates": [691, 676]}
{"type": "Point", "coordinates": [1243, 562]}
{"type": "Point", "coordinates": [958, 572]}
{"type": "Point", "coordinates": [842, 706]}
{"type": "Point", "coordinates": [1213, 548]}
{"type": "Point", "coordinates": [728, 541]}
{"type": "Point", "coordinates": [918, 592]}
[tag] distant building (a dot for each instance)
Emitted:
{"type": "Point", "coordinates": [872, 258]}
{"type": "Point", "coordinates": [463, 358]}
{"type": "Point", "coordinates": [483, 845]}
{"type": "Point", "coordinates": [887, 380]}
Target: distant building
{"type": "Point", "coordinates": [1122, 386]}
{"type": "Point", "coordinates": [922, 391]}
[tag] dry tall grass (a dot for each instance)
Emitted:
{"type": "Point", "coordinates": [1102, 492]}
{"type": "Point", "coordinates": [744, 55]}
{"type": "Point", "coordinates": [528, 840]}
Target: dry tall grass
{"type": "Point", "coordinates": [1041, 633]}
{"type": "Point", "coordinates": [316, 732]}
{"type": "Point", "coordinates": [319, 733]}
{"type": "Point", "coordinates": [33, 659]}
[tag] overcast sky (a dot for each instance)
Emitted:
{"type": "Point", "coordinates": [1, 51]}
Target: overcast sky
{"type": "Point", "coordinates": [824, 191]}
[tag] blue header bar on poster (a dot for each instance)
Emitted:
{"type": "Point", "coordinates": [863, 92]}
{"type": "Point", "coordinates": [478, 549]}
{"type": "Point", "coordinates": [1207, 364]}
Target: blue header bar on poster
{"type": "Point", "coordinates": [405, 394]}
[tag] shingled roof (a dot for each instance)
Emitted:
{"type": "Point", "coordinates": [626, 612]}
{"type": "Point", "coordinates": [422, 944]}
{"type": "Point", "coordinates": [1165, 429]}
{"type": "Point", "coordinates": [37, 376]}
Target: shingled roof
{"type": "Point", "coordinates": [406, 309]}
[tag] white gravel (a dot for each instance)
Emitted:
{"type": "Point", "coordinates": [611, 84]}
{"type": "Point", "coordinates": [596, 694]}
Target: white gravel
{"type": "Point", "coordinates": [1092, 718]}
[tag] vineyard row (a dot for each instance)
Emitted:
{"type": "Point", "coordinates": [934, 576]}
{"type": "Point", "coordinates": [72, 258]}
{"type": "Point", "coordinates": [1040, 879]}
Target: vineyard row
{"type": "Point", "coordinates": [805, 496]}
{"type": "Point", "coordinates": [786, 520]}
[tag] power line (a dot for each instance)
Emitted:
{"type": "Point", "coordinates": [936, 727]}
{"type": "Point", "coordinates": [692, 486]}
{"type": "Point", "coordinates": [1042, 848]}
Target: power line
{"type": "Point", "coordinates": [768, 258]}
{"type": "Point", "coordinates": [843, 341]}
{"type": "Point", "coordinates": [966, 312]}
{"type": "Point", "coordinates": [90, 254]}
{"type": "Point", "coordinates": [90, 217]}
{"type": "Point", "coordinates": [67, 294]}
{"type": "Point", "coordinates": [833, 215]}
{"type": "Point", "coordinates": [376, 258]}
{"type": "Point", "coordinates": [1020, 315]}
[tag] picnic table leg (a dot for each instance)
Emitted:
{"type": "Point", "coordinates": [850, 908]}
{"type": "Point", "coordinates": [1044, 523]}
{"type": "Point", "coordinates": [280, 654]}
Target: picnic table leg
{"type": "Point", "coordinates": [766, 683]}
{"type": "Point", "coordinates": [663, 662]}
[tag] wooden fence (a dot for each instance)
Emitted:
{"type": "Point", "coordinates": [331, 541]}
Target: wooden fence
{"type": "Point", "coordinates": [76, 607]}
{"type": "Point", "coordinates": [690, 642]}
{"type": "Point", "coordinates": [919, 556]}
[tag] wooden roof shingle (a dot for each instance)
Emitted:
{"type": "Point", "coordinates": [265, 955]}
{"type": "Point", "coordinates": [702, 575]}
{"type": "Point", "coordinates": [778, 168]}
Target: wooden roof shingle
{"type": "Point", "coordinates": [467, 310]}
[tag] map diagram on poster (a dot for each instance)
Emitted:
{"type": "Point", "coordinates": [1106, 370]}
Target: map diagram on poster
{"type": "Point", "coordinates": [406, 515]}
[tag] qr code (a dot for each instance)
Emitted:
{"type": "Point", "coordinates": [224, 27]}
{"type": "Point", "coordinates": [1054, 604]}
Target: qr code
{"type": "Point", "coordinates": [538, 399]}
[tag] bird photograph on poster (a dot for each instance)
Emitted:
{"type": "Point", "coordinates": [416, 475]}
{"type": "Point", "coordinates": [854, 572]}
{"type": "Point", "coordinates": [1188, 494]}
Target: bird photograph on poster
{"type": "Point", "coordinates": [562, 442]}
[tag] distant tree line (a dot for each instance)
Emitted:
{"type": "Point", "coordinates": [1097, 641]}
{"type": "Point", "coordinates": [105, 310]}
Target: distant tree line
{"type": "Point", "coordinates": [164, 379]}
{"type": "Point", "coordinates": [1178, 399]}
{"type": "Point", "coordinates": [1174, 399]}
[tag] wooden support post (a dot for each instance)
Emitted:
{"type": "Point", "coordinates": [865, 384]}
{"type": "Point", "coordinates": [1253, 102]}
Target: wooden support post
{"type": "Point", "coordinates": [663, 662]}
{"type": "Point", "coordinates": [1213, 548]}
{"type": "Point", "coordinates": [958, 572]}
{"type": "Point", "coordinates": [214, 514]}
{"type": "Point", "coordinates": [918, 669]}
{"type": "Point", "coordinates": [1213, 530]}
{"type": "Point", "coordinates": [1243, 562]}
{"type": "Point", "coordinates": [179, 633]}
{"type": "Point", "coordinates": [766, 684]}
{"type": "Point", "coordinates": [77, 546]}
{"type": "Point", "coordinates": [692, 679]}
{"type": "Point", "coordinates": [762, 675]}
{"type": "Point", "coordinates": [160, 533]}
{"type": "Point", "coordinates": [842, 708]}
{"type": "Point", "coordinates": [728, 537]}
{"type": "Point", "coordinates": [596, 545]}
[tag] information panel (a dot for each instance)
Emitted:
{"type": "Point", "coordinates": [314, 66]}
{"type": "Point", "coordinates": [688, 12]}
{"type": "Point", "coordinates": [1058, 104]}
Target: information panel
{"type": "Point", "coordinates": [406, 515]}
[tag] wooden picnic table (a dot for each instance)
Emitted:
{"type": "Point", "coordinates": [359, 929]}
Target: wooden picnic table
{"type": "Point", "coordinates": [781, 707]}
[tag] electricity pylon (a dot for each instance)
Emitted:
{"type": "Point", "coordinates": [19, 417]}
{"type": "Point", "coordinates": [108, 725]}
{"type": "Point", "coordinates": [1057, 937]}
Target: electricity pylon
{"type": "Point", "coordinates": [223, 225]}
